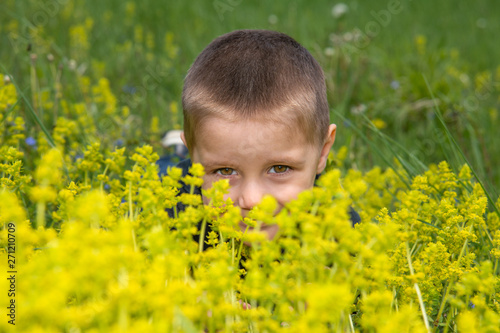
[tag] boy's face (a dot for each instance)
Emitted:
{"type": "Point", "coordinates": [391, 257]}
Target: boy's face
{"type": "Point", "coordinates": [259, 158]}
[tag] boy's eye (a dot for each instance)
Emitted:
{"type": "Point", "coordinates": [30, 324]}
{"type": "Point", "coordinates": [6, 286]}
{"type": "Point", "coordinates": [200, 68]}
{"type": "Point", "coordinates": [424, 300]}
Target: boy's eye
{"type": "Point", "coordinates": [279, 169]}
{"type": "Point", "coordinates": [225, 171]}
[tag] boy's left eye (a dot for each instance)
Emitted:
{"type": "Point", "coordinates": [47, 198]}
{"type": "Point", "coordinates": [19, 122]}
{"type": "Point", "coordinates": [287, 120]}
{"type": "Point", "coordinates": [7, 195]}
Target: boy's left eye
{"type": "Point", "coordinates": [279, 169]}
{"type": "Point", "coordinates": [225, 171]}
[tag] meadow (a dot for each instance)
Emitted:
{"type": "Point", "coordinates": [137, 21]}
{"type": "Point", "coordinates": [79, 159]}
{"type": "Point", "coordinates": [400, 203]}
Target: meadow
{"type": "Point", "coordinates": [87, 88]}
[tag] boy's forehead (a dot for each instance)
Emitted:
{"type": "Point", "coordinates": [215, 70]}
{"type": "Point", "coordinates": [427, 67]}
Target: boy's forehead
{"type": "Point", "coordinates": [256, 129]}
{"type": "Point", "coordinates": [224, 139]}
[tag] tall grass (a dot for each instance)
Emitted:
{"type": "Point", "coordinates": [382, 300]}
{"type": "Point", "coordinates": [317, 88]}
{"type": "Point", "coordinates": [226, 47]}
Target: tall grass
{"type": "Point", "coordinates": [127, 43]}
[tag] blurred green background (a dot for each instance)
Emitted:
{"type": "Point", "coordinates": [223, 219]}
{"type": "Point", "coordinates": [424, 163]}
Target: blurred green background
{"type": "Point", "coordinates": [377, 56]}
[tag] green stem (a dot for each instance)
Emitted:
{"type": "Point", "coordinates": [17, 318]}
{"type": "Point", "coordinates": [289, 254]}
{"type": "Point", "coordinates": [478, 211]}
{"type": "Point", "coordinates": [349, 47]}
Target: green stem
{"type": "Point", "coordinates": [443, 303]}
{"type": "Point", "coordinates": [57, 75]}
{"type": "Point", "coordinates": [351, 324]}
{"type": "Point", "coordinates": [102, 181]}
{"type": "Point", "coordinates": [417, 289]}
{"type": "Point", "coordinates": [450, 283]}
{"type": "Point", "coordinates": [40, 214]}
{"type": "Point", "coordinates": [33, 87]}
{"type": "Point", "coordinates": [240, 249]}
{"type": "Point", "coordinates": [448, 320]}
{"type": "Point", "coordinates": [134, 239]}
{"type": "Point", "coordinates": [131, 217]}
{"type": "Point", "coordinates": [202, 235]}
{"type": "Point", "coordinates": [232, 251]}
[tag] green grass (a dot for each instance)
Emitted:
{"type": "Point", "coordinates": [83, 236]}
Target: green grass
{"type": "Point", "coordinates": [461, 36]}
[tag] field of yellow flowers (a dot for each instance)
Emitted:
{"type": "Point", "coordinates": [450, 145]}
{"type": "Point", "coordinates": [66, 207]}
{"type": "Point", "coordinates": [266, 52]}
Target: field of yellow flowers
{"type": "Point", "coordinates": [89, 246]}
{"type": "Point", "coordinates": [86, 244]}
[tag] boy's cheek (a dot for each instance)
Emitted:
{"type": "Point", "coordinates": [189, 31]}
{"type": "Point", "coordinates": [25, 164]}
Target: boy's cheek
{"type": "Point", "coordinates": [206, 201]}
{"type": "Point", "coordinates": [289, 194]}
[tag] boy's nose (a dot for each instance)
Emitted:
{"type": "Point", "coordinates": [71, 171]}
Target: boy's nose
{"type": "Point", "coordinates": [250, 195]}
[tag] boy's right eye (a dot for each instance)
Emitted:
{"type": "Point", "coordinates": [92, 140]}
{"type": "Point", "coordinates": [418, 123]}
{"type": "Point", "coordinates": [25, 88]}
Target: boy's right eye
{"type": "Point", "coordinates": [225, 171]}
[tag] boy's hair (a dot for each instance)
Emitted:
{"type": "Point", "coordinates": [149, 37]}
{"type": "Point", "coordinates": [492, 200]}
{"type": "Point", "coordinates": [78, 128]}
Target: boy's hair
{"type": "Point", "coordinates": [256, 75]}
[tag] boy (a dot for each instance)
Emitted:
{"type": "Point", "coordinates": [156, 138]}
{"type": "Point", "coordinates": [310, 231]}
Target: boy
{"type": "Point", "coordinates": [256, 113]}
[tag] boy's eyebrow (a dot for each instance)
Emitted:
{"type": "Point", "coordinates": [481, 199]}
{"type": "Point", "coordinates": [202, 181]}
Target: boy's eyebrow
{"type": "Point", "coordinates": [287, 160]}
{"type": "Point", "coordinates": [212, 164]}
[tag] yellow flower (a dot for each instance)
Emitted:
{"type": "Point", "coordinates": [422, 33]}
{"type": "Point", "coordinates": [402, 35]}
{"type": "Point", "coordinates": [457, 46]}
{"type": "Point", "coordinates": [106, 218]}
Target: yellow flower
{"type": "Point", "coordinates": [197, 170]}
{"type": "Point", "coordinates": [420, 43]}
{"type": "Point", "coordinates": [468, 322]}
{"type": "Point", "coordinates": [8, 94]}
{"type": "Point", "coordinates": [379, 123]}
{"type": "Point", "coordinates": [170, 47]}
{"type": "Point", "coordinates": [49, 171]}
{"type": "Point", "coordinates": [11, 210]}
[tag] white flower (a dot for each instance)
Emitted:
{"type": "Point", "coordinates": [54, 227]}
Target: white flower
{"type": "Point", "coordinates": [358, 109]}
{"type": "Point", "coordinates": [329, 51]}
{"type": "Point", "coordinates": [273, 19]}
{"type": "Point", "coordinates": [348, 36]}
{"type": "Point", "coordinates": [339, 10]}
{"type": "Point", "coordinates": [464, 78]}
{"type": "Point", "coordinates": [335, 38]}
{"type": "Point", "coordinates": [72, 64]}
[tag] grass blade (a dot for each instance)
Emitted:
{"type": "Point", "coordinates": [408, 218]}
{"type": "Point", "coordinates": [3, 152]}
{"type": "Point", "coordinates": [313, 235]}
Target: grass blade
{"type": "Point", "coordinates": [457, 148]}
{"type": "Point", "coordinates": [31, 110]}
{"type": "Point", "coordinates": [375, 148]}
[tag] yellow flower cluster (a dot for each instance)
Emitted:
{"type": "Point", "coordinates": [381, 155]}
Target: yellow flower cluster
{"type": "Point", "coordinates": [79, 39]}
{"type": "Point", "coordinates": [98, 252]}
{"type": "Point", "coordinates": [12, 126]}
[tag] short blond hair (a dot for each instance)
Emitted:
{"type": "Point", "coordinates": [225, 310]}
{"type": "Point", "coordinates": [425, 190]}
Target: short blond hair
{"type": "Point", "coordinates": [256, 75]}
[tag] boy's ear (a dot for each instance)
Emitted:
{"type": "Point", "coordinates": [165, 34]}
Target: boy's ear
{"type": "Point", "coordinates": [183, 138]}
{"type": "Point", "coordinates": [330, 139]}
